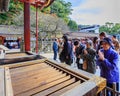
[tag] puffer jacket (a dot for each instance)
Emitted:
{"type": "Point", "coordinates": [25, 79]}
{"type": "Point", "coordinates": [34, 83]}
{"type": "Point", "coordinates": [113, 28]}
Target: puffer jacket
{"type": "Point", "coordinates": [109, 67]}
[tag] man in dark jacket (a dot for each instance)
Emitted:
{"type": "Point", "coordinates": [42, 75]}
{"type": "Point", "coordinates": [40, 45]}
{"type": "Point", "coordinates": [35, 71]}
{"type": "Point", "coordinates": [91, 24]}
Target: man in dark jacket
{"type": "Point", "coordinates": [55, 49]}
{"type": "Point", "coordinates": [78, 51]}
{"type": "Point", "coordinates": [108, 60]}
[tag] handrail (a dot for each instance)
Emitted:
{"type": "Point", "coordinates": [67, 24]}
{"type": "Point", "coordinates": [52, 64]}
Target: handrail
{"type": "Point", "coordinates": [112, 90]}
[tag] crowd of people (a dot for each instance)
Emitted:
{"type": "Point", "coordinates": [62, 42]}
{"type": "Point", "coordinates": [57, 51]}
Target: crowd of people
{"type": "Point", "coordinates": [12, 44]}
{"type": "Point", "coordinates": [101, 51]}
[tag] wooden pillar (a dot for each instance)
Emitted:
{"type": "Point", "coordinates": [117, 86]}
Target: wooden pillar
{"type": "Point", "coordinates": [27, 26]}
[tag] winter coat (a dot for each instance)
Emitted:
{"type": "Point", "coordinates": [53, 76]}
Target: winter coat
{"type": "Point", "coordinates": [67, 50]}
{"type": "Point", "coordinates": [55, 46]}
{"type": "Point", "coordinates": [79, 50]}
{"type": "Point", "coordinates": [90, 59]}
{"type": "Point", "coordinates": [109, 67]}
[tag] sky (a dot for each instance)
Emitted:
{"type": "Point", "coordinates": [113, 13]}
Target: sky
{"type": "Point", "coordinates": [90, 12]}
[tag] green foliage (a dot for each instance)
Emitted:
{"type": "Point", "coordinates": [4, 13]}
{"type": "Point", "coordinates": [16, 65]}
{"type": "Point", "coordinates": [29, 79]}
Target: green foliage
{"type": "Point", "coordinates": [59, 8]}
{"type": "Point", "coordinates": [62, 9]}
{"type": "Point", "coordinates": [73, 25]}
{"type": "Point", "coordinates": [110, 28]}
{"type": "Point", "coordinates": [103, 28]}
{"type": "Point", "coordinates": [14, 10]}
{"type": "Point", "coordinates": [46, 10]}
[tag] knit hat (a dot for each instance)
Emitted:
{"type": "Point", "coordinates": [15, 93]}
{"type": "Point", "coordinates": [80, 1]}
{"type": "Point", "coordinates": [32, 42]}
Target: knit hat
{"type": "Point", "coordinates": [107, 40]}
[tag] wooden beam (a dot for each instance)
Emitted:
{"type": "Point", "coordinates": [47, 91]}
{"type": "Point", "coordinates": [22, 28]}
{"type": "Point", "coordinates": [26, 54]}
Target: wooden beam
{"type": "Point", "coordinates": [8, 83]}
{"type": "Point", "coordinates": [55, 88]}
{"type": "Point", "coordinates": [2, 83]}
{"type": "Point", "coordinates": [28, 63]}
{"type": "Point", "coordinates": [84, 89]}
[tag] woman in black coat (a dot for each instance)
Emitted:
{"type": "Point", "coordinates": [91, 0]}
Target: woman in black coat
{"type": "Point", "coordinates": [67, 51]}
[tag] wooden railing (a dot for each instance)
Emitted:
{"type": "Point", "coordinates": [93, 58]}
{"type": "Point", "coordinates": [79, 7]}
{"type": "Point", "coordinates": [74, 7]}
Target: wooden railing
{"type": "Point", "coordinates": [111, 90]}
{"type": "Point", "coordinates": [46, 78]}
{"type": "Point", "coordinates": [115, 93]}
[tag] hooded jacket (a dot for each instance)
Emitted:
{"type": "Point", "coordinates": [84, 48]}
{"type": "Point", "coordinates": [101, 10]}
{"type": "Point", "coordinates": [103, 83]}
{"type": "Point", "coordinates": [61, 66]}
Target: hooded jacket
{"type": "Point", "coordinates": [109, 67]}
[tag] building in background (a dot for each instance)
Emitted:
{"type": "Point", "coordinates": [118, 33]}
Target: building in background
{"type": "Point", "coordinates": [81, 35]}
{"type": "Point", "coordinates": [11, 32]}
{"type": "Point", "coordinates": [92, 29]}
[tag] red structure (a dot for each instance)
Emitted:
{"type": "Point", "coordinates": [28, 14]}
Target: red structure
{"type": "Point", "coordinates": [2, 40]}
{"type": "Point", "coordinates": [37, 3]}
{"type": "Point", "coordinates": [27, 26]}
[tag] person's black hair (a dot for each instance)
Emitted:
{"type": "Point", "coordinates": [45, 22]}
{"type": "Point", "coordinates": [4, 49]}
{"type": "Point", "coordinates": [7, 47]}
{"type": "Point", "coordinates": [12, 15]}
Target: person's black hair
{"type": "Point", "coordinates": [94, 39]}
{"type": "Point", "coordinates": [65, 37]}
{"type": "Point", "coordinates": [114, 36]}
{"type": "Point", "coordinates": [76, 43]}
{"type": "Point", "coordinates": [102, 34]}
{"type": "Point", "coordinates": [55, 39]}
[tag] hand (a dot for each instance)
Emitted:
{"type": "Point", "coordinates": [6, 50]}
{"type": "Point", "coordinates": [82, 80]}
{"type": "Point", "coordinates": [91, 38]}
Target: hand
{"type": "Point", "coordinates": [85, 52]}
{"type": "Point", "coordinates": [78, 56]}
{"type": "Point", "coordinates": [66, 57]}
{"type": "Point", "coordinates": [101, 55]}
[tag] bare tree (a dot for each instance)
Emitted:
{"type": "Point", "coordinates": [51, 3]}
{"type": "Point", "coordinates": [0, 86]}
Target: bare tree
{"type": "Point", "coordinates": [49, 24]}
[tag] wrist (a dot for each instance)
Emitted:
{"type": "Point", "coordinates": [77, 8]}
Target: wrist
{"type": "Point", "coordinates": [103, 59]}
